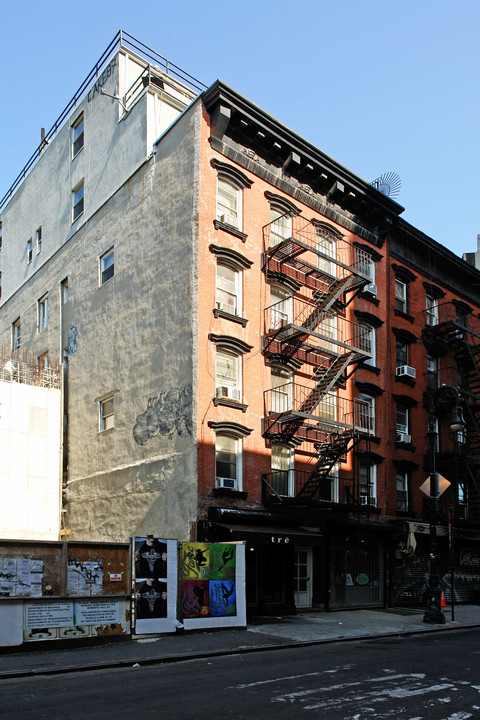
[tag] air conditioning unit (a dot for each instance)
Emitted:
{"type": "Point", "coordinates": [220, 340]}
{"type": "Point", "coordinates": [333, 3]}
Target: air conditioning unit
{"type": "Point", "coordinates": [403, 437]}
{"type": "Point", "coordinates": [225, 391]}
{"type": "Point", "coordinates": [406, 370]}
{"type": "Point", "coordinates": [226, 307]}
{"type": "Point", "coordinates": [368, 500]}
{"type": "Point", "coordinates": [228, 483]}
{"type": "Point", "coordinates": [371, 288]}
{"type": "Point", "coordinates": [228, 219]}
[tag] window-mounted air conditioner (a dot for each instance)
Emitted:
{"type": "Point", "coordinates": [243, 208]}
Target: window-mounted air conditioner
{"type": "Point", "coordinates": [226, 307]}
{"type": "Point", "coordinates": [228, 483]}
{"type": "Point", "coordinates": [371, 288]}
{"type": "Point", "coordinates": [368, 500]}
{"type": "Point", "coordinates": [403, 370]}
{"type": "Point", "coordinates": [225, 391]}
{"type": "Point", "coordinates": [403, 437]}
{"type": "Point", "coordinates": [228, 219]}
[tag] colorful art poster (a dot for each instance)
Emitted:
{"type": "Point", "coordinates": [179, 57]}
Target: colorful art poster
{"type": "Point", "coordinates": [223, 600]}
{"type": "Point", "coordinates": [222, 561]}
{"type": "Point", "coordinates": [226, 587]}
{"type": "Point", "coordinates": [195, 598]}
{"type": "Point", "coordinates": [156, 572]}
{"type": "Point", "coordinates": [195, 560]}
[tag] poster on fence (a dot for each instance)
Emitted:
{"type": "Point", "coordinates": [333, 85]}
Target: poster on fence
{"type": "Point", "coordinates": [155, 585]}
{"type": "Point", "coordinates": [212, 585]}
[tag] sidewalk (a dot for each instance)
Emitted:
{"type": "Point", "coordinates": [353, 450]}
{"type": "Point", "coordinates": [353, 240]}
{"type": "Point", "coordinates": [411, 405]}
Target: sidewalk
{"type": "Point", "coordinates": [260, 635]}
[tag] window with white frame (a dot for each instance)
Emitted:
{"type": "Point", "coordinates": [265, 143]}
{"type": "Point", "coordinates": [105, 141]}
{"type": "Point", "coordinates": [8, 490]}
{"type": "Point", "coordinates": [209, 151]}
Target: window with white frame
{"type": "Point", "coordinates": [42, 313]}
{"type": "Point", "coordinates": [38, 239]}
{"type": "Point", "coordinates": [228, 375]}
{"type": "Point", "coordinates": [326, 244]}
{"type": "Point", "coordinates": [367, 342]}
{"type": "Point", "coordinates": [16, 334]}
{"type": "Point", "coordinates": [280, 308]}
{"type": "Point", "coordinates": [402, 423]}
{"type": "Point", "coordinates": [400, 295]}
{"type": "Point", "coordinates": [281, 381]}
{"type": "Point", "coordinates": [228, 461]}
{"type": "Point", "coordinates": [282, 464]}
{"type": "Point", "coordinates": [366, 412]}
{"type": "Point", "coordinates": [78, 135]}
{"type": "Point", "coordinates": [78, 200]}
{"type": "Point", "coordinates": [365, 263]}
{"type": "Point", "coordinates": [228, 291]}
{"type": "Point", "coordinates": [229, 202]}
{"type": "Point", "coordinates": [431, 312]}
{"type": "Point", "coordinates": [403, 499]}
{"type": "Point", "coordinates": [401, 352]}
{"type": "Point", "coordinates": [280, 226]}
{"type": "Point", "coordinates": [106, 413]}
{"type": "Point", "coordinates": [432, 372]}
{"type": "Point", "coordinates": [107, 266]}
{"type": "Point", "coordinates": [367, 477]}
{"type": "Point", "coordinates": [29, 251]}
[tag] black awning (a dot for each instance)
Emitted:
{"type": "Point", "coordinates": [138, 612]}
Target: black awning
{"type": "Point", "coordinates": [270, 535]}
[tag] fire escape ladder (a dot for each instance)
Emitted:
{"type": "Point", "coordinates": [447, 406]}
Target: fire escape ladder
{"type": "Point", "coordinates": [329, 453]}
{"type": "Point", "coordinates": [325, 301]}
{"type": "Point", "coordinates": [324, 381]}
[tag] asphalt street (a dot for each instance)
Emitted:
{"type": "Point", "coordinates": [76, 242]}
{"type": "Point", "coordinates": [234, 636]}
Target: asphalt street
{"type": "Point", "coordinates": [433, 676]}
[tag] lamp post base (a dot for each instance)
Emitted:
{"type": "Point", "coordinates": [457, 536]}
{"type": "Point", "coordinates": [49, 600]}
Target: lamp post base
{"type": "Point", "coordinates": [433, 613]}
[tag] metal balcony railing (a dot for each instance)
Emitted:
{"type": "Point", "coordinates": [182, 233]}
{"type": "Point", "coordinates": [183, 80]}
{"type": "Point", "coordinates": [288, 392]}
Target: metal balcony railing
{"type": "Point", "coordinates": [280, 486]}
{"type": "Point", "coordinates": [285, 320]}
{"type": "Point", "coordinates": [466, 326]}
{"type": "Point", "coordinates": [286, 241]}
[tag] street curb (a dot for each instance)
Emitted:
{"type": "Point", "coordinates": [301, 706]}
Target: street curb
{"type": "Point", "coordinates": [202, 655]}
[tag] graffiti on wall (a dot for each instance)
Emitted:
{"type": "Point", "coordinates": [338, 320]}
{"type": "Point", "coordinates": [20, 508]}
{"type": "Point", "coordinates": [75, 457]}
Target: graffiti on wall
{"type": "Point", "coordinates": [166, 413]}
{"type": "Point", "coordinates": [208, 580]}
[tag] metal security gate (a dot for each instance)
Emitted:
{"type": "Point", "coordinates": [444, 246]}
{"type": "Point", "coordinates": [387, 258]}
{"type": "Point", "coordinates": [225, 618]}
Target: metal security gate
{"type": "Point", "coordinates": [356, 572]}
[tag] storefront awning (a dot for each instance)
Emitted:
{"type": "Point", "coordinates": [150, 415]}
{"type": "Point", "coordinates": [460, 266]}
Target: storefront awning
{"type": "Point", "coordinates": [271, 535]}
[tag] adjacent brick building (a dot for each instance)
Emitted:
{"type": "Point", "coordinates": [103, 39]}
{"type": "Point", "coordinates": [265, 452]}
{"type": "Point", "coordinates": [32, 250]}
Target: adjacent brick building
{"type": "Point", "coordinates": [254, 342]}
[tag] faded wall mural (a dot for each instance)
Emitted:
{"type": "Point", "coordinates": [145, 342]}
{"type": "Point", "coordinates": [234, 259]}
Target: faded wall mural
{"type": "Point", "coordinates": [166, 413]}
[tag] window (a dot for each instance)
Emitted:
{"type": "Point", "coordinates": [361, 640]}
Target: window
{"type": "Point", "coordinates": [38, 239]}
{"type": "Point", "coordinates": [229, 202]}
{"type": "Point", "coordinates": [228, 295]}
{"type": "Point", "coordinates": [432, 372]}
{"type": "Point", "coordinates": [402, 423]}
{"type": "Point", "coordinates": [367, 476]}
{"type": "Point", "coordinates": [431, 313]}
{"type": "Point", "coordinates": [282, 462]}
{"type": "Point", "coordinates": [16, 334]}
{"type": "Point", "coordinates": [106, 414]}
{"type": "Point", "coordinates": [228, 458]}
{"type": "Point", "coordinates": [326, 244]}
{"type": "Point", "coordinates": [42, 313]}
{"type": "Point", "coordinates": [77, 136]}
{"type": "Point", "coordinates": [402, 491]}
{"type": "Point", "coordinates": [281, 390]}
{"type": "Point", "coordinates": [280, 226]}
{"type": "Point", "coordinates": [43, 361]}
{"type": "Point", "coordinates": [107, 267]}
{"type": "Point", "coordinates": [367, 342]}
{"type": "Point", "coordinates": [64, 291]}
{"type": "Point", "coordinates": [366, 406]}
{"type": "Point", "coordinates": [365, 263]}
{"type": "Point", "coordinates": [280, 308]}
{"type": "Point", "coordinates": [401, 353]}
{"type": "Point", "coordinates": [227, 375]}
{"type": "Point", "coordinates": [400, 295]}
{"type": "Point", "coordinates": [78, 201]}
{"type": "Point", "coordinates": [29, 251]}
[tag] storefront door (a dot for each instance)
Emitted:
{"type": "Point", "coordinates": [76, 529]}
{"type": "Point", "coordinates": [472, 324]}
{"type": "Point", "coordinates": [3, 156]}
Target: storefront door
{"type": "Point", "coordinates": [303, 577]}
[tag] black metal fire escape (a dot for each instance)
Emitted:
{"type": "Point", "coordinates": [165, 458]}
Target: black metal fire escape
{"type": "Point", "coordinates": [312, 337]}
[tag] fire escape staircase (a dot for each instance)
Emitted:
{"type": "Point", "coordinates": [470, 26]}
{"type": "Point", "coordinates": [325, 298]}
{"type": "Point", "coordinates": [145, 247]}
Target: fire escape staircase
{"type": "Point", "coordinates": [329, 454]}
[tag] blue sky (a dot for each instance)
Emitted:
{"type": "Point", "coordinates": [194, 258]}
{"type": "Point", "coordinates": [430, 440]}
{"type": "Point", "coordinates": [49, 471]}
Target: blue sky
{"type": "Point", "coordinates": [380, 86]}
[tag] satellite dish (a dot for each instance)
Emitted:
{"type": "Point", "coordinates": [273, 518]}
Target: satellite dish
{"type": "Point", "coordinates": [389, 184]}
